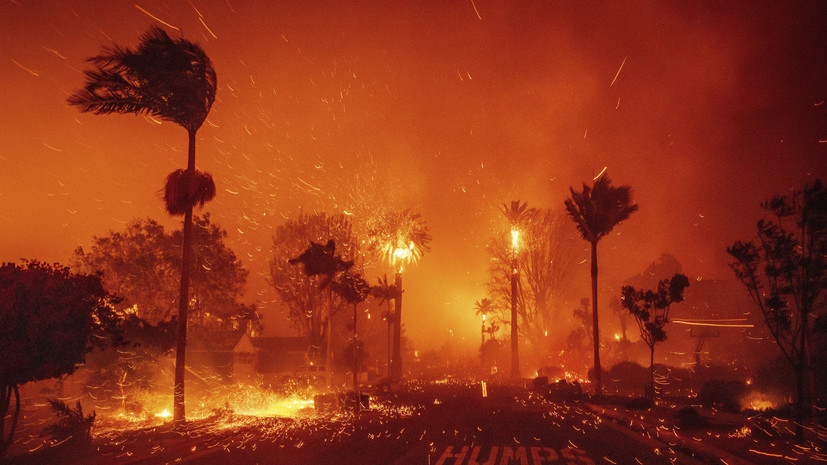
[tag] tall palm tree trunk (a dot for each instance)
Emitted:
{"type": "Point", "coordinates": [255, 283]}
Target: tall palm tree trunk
{"type": "Point", "coordinates": [800, 381]}
{"type": "Point", "coordinates": [356, 357]}
{"type": "Point", "coordinates": [179, 413]}
{"type": "Point", "coordinates": [651, 393]}
{"type": "Point", "coordinates": [598, 378]}
{"type": "Point", "coordinates": [328, 351]}
{"type": "Point", "coordinates": [396, 359]}
{"type": "Point", "coordinates": [515, 353]}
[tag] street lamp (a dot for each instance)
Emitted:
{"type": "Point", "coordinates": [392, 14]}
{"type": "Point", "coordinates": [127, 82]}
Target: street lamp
{"type": "Point", "coordinates": [482, 331]}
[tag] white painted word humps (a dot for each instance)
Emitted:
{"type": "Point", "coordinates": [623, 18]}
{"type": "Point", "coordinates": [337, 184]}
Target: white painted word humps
{"type": "Point", "coordinates": [532, 455]}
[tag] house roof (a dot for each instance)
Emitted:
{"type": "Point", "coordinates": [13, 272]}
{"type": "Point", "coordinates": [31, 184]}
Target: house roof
{"type": "Point", "coordinates": [275, 354]}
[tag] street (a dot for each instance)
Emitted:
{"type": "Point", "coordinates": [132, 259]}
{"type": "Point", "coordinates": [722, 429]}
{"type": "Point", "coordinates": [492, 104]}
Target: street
{"type": "Point", "coordinates": [446, 425]}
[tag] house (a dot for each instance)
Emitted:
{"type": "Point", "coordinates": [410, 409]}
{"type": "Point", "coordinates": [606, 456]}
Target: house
{"type": "Point", "coordinates": [268, 358]}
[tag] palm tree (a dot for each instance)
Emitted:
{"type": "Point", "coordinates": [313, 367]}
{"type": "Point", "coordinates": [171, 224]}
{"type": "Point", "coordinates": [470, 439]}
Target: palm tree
{"type": "Point", "coordinates": [596, 210]}
{"type": "Point", "coordinates": [483, 308]}
{"type": "Point", "coordinates": [386, 292]}
{"type": "Point", "coordinates": [399, 238]}
{"type": "Point", "coordinates": [174, 80]}
{"type": "Point", "coordinates": [353, 288]}
{"type": "Point", "coordinates": [518, 215]}
{"type": "Point", "coordinates": [321, 260]}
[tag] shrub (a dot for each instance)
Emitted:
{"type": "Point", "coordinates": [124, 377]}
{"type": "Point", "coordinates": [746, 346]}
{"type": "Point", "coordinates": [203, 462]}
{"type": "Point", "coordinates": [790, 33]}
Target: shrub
{"type": "Point", "coordinates": [688, 417]}
{"type": "Point", "coordinates": [627, 376]}
{"type": "Point", "coordinates": [722, 394]}
{"type": "Point", "coordinates": [72, 428]}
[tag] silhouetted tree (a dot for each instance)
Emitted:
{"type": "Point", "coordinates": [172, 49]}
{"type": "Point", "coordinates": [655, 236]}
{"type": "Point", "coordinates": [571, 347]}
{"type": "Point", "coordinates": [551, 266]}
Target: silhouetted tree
{"type": "Point", "coordinates": [784, 273]}
{"type": "Point", "coordinates": [49, 320]}
{"type": "Point", "coordinates": [651, 311]}
{"type": "Point", "coordinates": [622, 316]}
{"type": "Point", "coordinates": [399, 238]}
{"type": "Point", "coordinates": [321, 261]}
{"type": "Point", "coordinates": [386, 292]}
{"type": "Point", "coordinates": [665, 265]}
{"type": "Point", "coordinates": [544, 265]}
{"type": "Point", "coordinates": [483, 308]}
{"type": "Point", "coordinates": [143, 265]}
{"type": "Point", "coordinates": [354, 290]}
{"type": "Point", "coordinates": [309, 307]}
{"type": "Point", "coordinates": [174, 80]}
{"type": "Point", "coordinates": [518, 216]}
{"type": "Point", "coordinates": [583, 315]}
{"type": "Point", "coordinates": [596, 210]}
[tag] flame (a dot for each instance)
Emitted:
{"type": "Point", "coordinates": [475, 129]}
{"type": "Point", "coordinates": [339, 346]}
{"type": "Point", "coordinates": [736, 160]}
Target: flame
{"type": "Point", "coordinates": [759, 401]}
{"type": "Point", "coordinates": [515, 238]}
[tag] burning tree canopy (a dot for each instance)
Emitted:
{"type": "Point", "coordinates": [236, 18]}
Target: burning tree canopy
{"type": "Point", "coordinates": [399, 237]}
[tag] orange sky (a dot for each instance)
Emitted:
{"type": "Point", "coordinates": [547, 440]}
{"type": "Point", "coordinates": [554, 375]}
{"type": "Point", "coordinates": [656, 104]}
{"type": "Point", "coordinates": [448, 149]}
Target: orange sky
{"type": "Point", "coordinates": [449, 108]}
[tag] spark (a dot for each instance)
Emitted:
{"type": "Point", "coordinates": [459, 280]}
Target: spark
{"type": "Point", "coordinates": [618, 70]}
{"type": "Point", "coordinates": [476, 10]}
{"type": "Point", "coordinates": [28, 70]}
{"type": "Point", "coordinates": [156, 18]}
{"type": "Point", "coordinates": [717, 325]}
{"type": "Point", "coordinates": [52, 148]}
{"type": "Point", "coordinates": [765, 453]}
{"type": "Point", "coordinates": [308, 185]}
{"type": "Point", "coordinates": [53, 51]}
{"type": "Point", "coordinates": [600, 173]}
{"type": "Point", "coordinates": [207, 28]}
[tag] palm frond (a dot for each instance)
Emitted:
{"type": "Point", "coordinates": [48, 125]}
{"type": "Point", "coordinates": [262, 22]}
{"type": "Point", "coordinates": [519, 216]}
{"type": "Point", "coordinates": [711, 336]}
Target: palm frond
{"type": "Point", "coordinates": [400, 236]}
{"type": "Point", "coordinates": [173, 80]}
{"type": "Point", "coordinates": [187, 188]}
{"type": "Point", "coordinates": [597, 209]}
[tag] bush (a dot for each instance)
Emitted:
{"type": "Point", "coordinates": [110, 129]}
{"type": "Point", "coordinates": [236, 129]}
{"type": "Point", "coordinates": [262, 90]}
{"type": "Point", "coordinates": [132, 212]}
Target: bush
{"type": "Point", "coordinates": [722, 394]}
{"type": "Point", "coordinates": [688, 417]}
{"type": "Point", "coordinates": [73, 428]}
{"type": "Point", "coordinates": [627, 376]}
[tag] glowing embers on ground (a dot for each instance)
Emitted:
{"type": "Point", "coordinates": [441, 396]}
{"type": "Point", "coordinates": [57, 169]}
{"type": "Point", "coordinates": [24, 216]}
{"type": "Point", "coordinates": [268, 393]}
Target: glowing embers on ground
{"type": "Point", "coordinates": [226, 431]}
{"type": "Point", "coordinates": [245, 400]}
{"type": "Point", "coordinates": [760, 401]}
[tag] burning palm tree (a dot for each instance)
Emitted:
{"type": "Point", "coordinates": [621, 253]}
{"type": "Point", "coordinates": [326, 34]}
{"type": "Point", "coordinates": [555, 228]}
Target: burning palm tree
{"type": "Point", "coordinates": [386, 292]}
{"type": "Point", "coordinates": [173, 80]}
{"type": "Point", "coordinates": [399, 238]}
{"type": "Point", "coordinates": [518, 215]}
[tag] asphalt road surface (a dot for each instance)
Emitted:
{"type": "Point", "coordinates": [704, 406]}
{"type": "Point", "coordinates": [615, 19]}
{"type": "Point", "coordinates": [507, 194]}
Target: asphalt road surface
{"type": "Point", "coordinates": [446, 425]}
